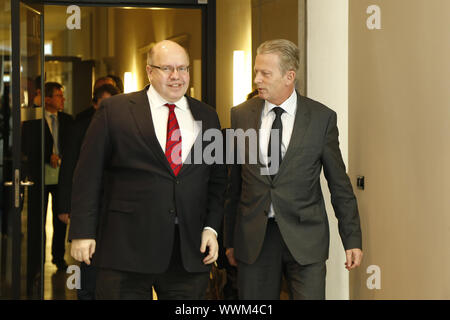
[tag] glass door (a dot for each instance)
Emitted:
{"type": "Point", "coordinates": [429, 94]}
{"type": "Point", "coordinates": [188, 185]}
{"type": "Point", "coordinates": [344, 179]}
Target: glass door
{"type": "Point", "coordinates": [21, 65]}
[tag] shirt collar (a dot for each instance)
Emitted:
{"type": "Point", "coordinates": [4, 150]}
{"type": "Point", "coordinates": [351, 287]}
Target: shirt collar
{"type": "Point", "coordinates": [48, 114]}
{"type": "Point", "coordinates": [289, 105]}
{"type": "Point", "coordinates": [160, 102]}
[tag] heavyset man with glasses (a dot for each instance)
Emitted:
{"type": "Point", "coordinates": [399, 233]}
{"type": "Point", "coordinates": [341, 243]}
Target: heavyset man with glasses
{"type": "Point", "coordinates": [149, 214]}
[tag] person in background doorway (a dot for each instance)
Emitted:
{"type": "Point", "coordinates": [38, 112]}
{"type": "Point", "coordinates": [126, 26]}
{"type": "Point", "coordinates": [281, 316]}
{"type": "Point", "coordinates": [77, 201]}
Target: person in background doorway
{"type": "Point", "coordinates": [56, 134]}
{"type": "Point", "coordinates": [118, 81]}
{"type": "Point", "coordinates": [89, 111]}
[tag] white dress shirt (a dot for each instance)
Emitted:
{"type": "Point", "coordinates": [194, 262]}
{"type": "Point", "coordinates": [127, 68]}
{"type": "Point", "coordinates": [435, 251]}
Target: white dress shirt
{"type": "Point", "coordinates": [160, 114]}
{"type": "Point", "coordinates": [188, 127]}
{"type": "Point", "coordinates": [287, 119]}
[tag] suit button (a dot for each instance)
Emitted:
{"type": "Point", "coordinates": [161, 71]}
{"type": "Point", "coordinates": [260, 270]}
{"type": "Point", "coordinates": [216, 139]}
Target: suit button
{"type": "Point", "coordinates": [177, 181]}
{"type": "Point", "coordinates": [172, 211]}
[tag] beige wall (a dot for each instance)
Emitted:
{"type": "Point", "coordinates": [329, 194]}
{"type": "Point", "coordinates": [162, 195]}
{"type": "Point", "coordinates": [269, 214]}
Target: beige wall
{"type": "Point", "coordinates": [327, 82]}
{"type": "Point", "coordinates": [74, 43]}
{"type": "Point", "coordinates": [275, 19]}
{"type": "Point", "coordinates": [399, 140]}
{"type": "Point", "coordinates": [139, 28]}
{"type": "Point", "coordinates": [244, 25]}
{"type": "Point", "coordinates": [233, 32]}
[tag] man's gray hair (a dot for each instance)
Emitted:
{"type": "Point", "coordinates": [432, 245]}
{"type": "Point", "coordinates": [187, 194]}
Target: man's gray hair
{"type": "Point", "coordinates": [286, 50]}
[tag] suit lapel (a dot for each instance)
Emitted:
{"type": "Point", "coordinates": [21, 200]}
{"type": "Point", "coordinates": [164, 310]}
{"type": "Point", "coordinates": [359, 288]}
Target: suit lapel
{"type": "Point", "coordinates": [255, 122]}
{"type": "Point", "coordinates": [48, 133]}
{"type": "Point", "coordinates": [140, 109]}
{"type": "Point", "coordinates": [301, 123]}
{"type": "Point", "coordinates": [62, 127]}
{"type": "Point", "coordinates": [256, 114]}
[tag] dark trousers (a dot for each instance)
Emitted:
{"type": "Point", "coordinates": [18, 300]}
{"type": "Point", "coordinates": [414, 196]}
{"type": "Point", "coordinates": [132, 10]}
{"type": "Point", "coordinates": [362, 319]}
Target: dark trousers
{"type": "Point", "coordinates": [262, 279]}
{"type": "Point", "coordinates": [59, 227]}
{"type": "Point", "coordinates": [174, 284]}
{"type": "Point", "coordinates": [88, 274]}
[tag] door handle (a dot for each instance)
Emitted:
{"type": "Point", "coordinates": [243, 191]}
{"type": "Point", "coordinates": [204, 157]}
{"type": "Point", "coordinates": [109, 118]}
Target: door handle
{"type": "Point", "coordinates": [26, 183]}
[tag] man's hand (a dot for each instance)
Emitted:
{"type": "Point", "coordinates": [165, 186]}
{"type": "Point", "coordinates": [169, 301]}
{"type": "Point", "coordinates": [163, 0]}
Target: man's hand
{"type": "Point", "coordinates": [230, 256]}
{"type": "Point", "coordinates": [54, 160]}
{"type": "Point", "coordinates": [64, 217]}
{"type": "Point", "coordinates": [209, 240]}
{"type": "Point", "coordinates": [82, 250]}
{"type": "Point", "coordinates": [354, 257]}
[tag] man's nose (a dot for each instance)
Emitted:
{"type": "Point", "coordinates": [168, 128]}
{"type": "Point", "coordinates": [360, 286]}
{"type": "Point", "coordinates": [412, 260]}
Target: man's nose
{"type": "Point", "coordinates": [175, 74]}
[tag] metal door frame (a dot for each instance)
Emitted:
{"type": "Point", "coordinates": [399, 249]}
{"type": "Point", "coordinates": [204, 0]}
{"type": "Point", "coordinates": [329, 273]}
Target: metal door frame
{"type": "Point", "coordinates": [16, 201]}
{"type": "Point", "coordinates": [208, 9]}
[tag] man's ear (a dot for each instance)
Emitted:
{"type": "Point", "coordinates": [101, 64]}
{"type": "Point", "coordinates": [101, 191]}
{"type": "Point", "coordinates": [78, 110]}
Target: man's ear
{"type": "Point", "coordinates": [291, 75]}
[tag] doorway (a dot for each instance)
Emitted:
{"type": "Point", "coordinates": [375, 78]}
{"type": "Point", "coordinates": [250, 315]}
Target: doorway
{"type": "Point", "coordinates": [76, 43]}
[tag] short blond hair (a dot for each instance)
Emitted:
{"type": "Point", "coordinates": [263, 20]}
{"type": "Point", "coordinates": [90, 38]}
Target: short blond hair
{"type": "Point", "coordinates": [286, 50]}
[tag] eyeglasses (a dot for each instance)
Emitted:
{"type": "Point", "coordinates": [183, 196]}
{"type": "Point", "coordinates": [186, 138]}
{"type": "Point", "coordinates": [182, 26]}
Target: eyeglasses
{"type": "Point", "coordinates": [170, 69]}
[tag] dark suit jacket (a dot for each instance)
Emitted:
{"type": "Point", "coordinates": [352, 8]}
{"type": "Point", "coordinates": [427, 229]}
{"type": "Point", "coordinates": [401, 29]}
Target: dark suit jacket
{"type": "Point", "coordinates": [86, 114]}
{"type": "Point", "coordinates": [70, 156]}
{"type": "Point", "coordinates": [31, 133]}
{"type": "Point", "coordinates": [295, 191]}
{"type": "Point", "coordinates": [133, 221]}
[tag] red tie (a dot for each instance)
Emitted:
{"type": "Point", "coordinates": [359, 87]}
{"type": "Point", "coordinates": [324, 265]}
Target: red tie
{"type": "Point", "coordinates": [173, 141]}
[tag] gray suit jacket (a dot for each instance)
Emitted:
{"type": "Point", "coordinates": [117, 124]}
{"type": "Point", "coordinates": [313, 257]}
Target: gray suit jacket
{"type": "Point", "coordinates": [295, 192]}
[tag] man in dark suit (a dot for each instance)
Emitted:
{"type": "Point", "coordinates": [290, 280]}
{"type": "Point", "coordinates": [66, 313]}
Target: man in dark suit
{"type": "Point", "coordinates": [56, 133]}
{"type": "Point", "coordinates": [89, 111]}
{"type": "Point", "coordinates": [275, 219]}
{"type": "Point", "coordinates": [155, 223]}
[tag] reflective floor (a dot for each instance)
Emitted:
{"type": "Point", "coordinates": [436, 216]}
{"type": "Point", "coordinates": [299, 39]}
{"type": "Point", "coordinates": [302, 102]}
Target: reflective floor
{"type": "Point", "coordinates": [55, 282]}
